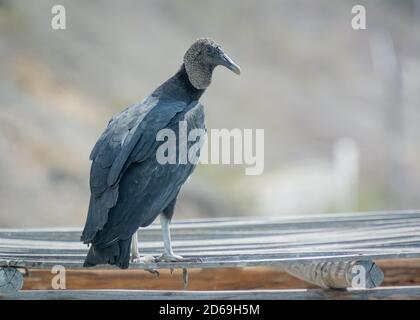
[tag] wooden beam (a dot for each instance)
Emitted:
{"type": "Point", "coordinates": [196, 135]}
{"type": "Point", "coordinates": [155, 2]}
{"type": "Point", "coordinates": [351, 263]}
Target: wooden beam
{"type": "Point", "coordinates": [339, 274]}
{"type": "Point", "coordinates": [397, 273]}
{"type": "Point", "coordinates": [240, 242]}
{"type": "Point", "coordinates": [405, 272]}
{"type": "Point", "coordinates": [393, 293]}
{"type": "Point", "coordinates": [199, 279]}
{"type": "Point", "coordinates": [313, 248]}
{"type": "Point", "coordinates": [11, 280]}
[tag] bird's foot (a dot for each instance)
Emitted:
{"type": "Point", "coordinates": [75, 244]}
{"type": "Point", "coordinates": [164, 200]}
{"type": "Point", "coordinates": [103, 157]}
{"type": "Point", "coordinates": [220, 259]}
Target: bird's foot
{"type": "Point", "coordinates": [146, 260]}
{"type": "Point", "coordinates": [165, 257]}
{"type": "Point", "coordinates": [171, 257]}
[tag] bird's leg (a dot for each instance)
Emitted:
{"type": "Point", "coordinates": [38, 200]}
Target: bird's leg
{"type": "Point", "coordinates": [168, 254]}
{"type": "Point", "coordinates": [135, 256]}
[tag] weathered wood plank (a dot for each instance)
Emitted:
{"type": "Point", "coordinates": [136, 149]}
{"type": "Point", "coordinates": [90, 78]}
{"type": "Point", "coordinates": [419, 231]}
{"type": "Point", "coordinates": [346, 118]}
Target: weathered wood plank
{"type": "Point", "coordinates": [291, 223]}
{"type": "Point", "coordinates": [11, 280]}
{"type": "Point", "coordinates": [200, 279]}
{"type": "Point", "coordinates": [227, 242]}
{"type": "Point", "coordinates": [223, 262]}
{"type": "Point", "coordinates": [298, 236]}
{"type": "Point", "coordinates": [319, 249]}
{"type": "Point", "coordinates": [302, 294]}
{"type": "Point", "coordinates": [397, 273]}
{"type": "Point", "coordinates": [339, 275]}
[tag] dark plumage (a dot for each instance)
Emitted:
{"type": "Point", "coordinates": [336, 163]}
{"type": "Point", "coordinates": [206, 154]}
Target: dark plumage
{"type": "Point", "coordinates": [129, 188]}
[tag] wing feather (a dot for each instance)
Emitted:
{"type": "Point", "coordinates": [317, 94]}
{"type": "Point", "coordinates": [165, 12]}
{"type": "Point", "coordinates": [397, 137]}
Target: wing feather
{"type": "Point", "coordinates": [134, 128]}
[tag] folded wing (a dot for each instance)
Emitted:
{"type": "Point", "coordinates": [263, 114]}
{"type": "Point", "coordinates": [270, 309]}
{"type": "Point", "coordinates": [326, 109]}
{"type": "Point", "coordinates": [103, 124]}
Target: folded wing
{"type": "Point", "coordinates": [130, 137]}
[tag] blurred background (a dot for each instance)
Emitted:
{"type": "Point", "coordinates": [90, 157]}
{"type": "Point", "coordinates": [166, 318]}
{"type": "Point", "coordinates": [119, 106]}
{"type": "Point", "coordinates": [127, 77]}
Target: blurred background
{"type": "Point", "coordinates": [340, 107]}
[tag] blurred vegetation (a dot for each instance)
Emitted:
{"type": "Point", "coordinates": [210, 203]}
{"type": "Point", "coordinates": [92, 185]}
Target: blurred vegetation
{"type": "Point", "coordinates": [308, 79]}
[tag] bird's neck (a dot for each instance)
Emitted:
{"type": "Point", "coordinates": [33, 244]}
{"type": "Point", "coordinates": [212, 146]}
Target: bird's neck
{"type": "Point", "coordinates": [179, 87]}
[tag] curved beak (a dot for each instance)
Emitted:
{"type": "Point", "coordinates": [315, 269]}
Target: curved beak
{"type": "Point", "coordinates": [228, 63]}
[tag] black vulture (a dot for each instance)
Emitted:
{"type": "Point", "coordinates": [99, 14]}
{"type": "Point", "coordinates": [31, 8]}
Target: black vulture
{"type": "Point", "coordinates": [129, 187]}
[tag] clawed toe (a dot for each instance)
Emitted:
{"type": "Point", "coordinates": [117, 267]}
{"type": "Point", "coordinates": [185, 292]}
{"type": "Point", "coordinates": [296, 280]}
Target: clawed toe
{"type": "Point", "coordinates": [146, 260]}
{"type": "Point", "coordinates": [170, 258]}
{"type": "Point", "coordinates": [135, 259]}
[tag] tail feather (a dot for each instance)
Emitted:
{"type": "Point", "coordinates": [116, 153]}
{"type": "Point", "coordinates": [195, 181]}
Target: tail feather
{"type": "Point", "coordinates": [98, 213]}
{"type": "Point", "coordinates": [115, 254]}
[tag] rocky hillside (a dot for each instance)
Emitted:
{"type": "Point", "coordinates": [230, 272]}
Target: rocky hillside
{"type": "Point", "coordinates": [308, 80]}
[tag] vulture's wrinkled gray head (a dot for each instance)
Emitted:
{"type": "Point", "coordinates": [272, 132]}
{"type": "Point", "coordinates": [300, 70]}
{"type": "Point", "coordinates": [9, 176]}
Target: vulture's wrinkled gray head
{"type": "Point", "coordinates": [201, 59]}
